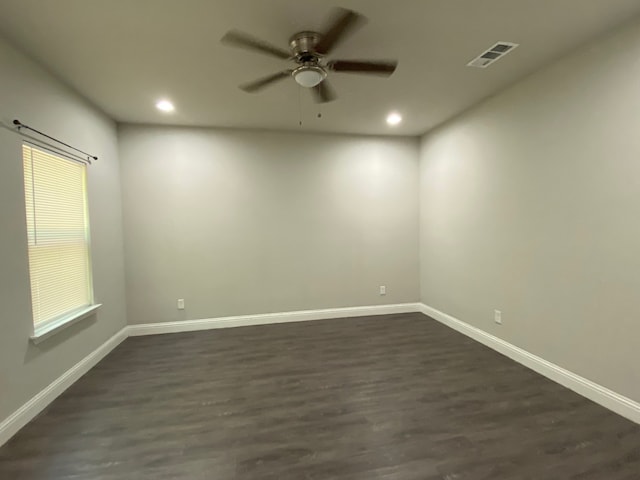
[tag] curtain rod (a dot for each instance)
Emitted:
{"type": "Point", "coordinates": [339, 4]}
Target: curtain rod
{"type": "Point", "coordinates": [20, 125]}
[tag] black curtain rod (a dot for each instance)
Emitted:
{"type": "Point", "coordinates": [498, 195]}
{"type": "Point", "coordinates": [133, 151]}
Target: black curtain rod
{"type": "Point", "coordinates": [20, 125]}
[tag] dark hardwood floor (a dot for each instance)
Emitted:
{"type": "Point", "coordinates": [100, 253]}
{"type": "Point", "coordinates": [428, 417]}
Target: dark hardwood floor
{"type": "Point", "coordinates": [398, 397]}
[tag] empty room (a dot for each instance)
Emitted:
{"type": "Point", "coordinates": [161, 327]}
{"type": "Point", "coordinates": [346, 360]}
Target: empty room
{"type": "Point", "coordinates": [305, 240]}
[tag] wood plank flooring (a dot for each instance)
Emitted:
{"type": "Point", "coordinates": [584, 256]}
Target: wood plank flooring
{"type": "Point", "coordinates": [398, 397]}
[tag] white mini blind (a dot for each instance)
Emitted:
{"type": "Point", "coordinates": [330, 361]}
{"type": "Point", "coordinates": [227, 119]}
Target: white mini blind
{"type": "Point", "coordinates": [58, 234]}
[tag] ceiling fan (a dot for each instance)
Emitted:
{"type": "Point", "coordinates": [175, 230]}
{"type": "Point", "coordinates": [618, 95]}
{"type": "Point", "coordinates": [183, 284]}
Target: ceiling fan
{"type": "Point", "coordinates": [309, 50]}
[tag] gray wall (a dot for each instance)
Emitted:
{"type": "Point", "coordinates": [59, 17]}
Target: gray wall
{"type": "Point", "coordinates": [33, 96]}
{"type": "Point", "coordinates": [530, 204]}
{"type": "Point", "coordinates": [240, 222]}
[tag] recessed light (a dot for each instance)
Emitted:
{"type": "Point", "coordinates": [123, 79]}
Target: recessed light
{"type": "Point", "coordinates": [165, 106]}
{"type": "Point", "coordinates": [394, 119]}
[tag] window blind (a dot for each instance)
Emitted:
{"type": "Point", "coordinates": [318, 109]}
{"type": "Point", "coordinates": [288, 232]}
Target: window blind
{"type": "Point", "coordinates": [58, 234]}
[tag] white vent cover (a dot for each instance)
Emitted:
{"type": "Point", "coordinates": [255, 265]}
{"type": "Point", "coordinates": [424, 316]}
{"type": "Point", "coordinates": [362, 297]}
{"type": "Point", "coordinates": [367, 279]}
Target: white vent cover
{"type": "Point", "coordinates": [492, 55]}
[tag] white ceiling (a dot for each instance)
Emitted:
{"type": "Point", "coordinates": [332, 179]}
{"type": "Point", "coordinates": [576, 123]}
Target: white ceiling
{"type": "Point", "coordinates": [124, 54]}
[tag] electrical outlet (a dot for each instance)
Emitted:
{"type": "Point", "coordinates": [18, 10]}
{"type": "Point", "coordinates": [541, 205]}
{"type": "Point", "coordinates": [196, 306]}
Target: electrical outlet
{"type": "Point", "coordinates": [497, 317]}
{"type": "Point", "coordinates": [383, 290]}
{"type": "Point", "coordinates": [181, 304]}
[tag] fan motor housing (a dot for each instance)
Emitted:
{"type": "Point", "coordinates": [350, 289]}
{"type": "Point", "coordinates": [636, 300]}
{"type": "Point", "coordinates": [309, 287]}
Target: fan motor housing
{"type": "Point", "coordinates": [303, 46]}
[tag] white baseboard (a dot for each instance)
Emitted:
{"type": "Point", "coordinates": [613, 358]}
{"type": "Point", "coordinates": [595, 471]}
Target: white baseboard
{"type": "Point", "coordinates": [597, 393]}
{"type": "Point", "coordinates": [269, 318]}
{"type": "Point", "coordinates": [33, 407]}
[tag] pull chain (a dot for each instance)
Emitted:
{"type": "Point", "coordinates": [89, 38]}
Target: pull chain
{"type": "Point", "coordinates": [300, 104]}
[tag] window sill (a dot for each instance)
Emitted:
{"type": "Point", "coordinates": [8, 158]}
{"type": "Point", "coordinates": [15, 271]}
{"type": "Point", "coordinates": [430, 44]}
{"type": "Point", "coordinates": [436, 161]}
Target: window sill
{"type": "Point", "coordinates": [42, 332]}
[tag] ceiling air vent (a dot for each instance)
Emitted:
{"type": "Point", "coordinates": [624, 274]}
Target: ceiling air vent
{"type": "Point", "coordinates": [492, 55]}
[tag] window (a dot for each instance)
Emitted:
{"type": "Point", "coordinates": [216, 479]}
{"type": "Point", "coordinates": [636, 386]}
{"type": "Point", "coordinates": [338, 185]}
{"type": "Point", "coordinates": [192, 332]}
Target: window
{"type": "Point", "coordinates": [58, 240]}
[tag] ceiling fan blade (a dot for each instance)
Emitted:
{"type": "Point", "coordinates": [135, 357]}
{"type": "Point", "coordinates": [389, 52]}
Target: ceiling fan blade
{"type": "Point", "coordinates": [323, 93]}
{"type": "Point", "coordinates": [265, 81]}
{"type": "Point", "coordinates": [236, 38]}
{"type": "Point", "coordinates": [364, 66]}
{"type": "Point", "coordinates": [344, 21]}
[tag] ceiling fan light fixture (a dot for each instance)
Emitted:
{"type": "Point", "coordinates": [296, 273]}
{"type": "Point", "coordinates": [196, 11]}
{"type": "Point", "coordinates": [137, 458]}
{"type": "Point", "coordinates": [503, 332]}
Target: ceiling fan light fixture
{"type": "Point", "coordinates": [310, 52]}
{"type": "Point", "coordinates": [309, 76]}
